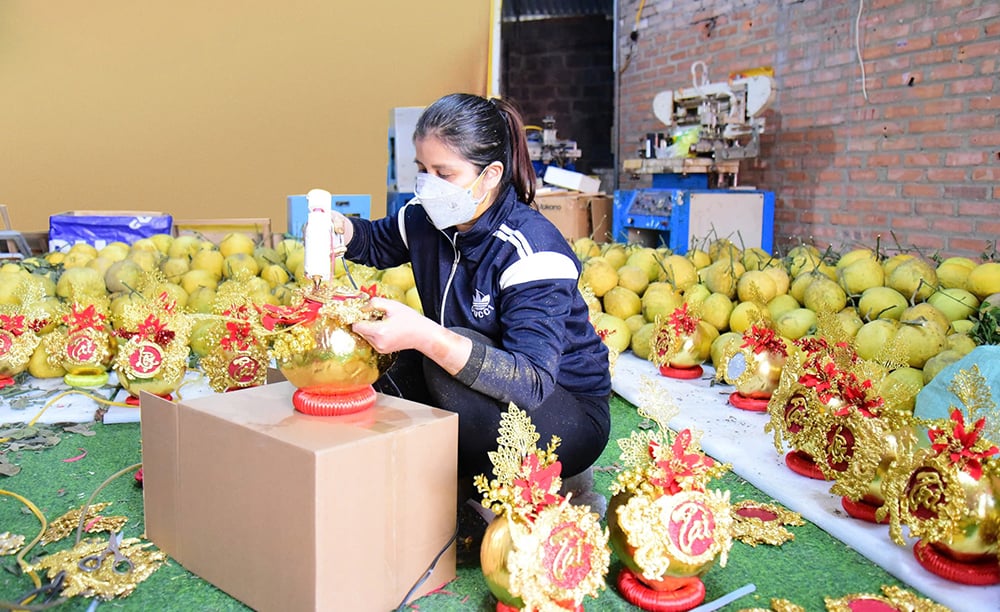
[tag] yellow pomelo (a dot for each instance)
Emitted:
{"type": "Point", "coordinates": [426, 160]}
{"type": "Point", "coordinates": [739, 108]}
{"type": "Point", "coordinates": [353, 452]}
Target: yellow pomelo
{"type": "Point", "coordinates": [400, 277]}
{"type": "Point", "coordinates": [210, 261]}
{"type": "Point", "coordinates": [413, 300]}
{"type": "Point", "coordinates": [647, 259]}
{"type": "Point", "coordinates": [920, 341]}
{"type": "Point", "coordinates": [797, 323]}
{"type": "Point", "coordinates": [203, 336]}
{"type": "Point", "coordinates": [797, 289]}
{"type": "Point", "coordinates": [284, 294]}
{"type": "Point", "coordinates": [635, 322]}
{"type": "Point", "coordinates": [746, 314]}
{"type": "Point", "coordinates": [288, 246]}
{"type": "Point", "coordinates": [849, 321]}
{"type": "Point", "coordinates": [873, 336]}
{"type": "Point", "coordinates": [198, 278]}
{"type": "Point", "coordinates": [55, 257]}
{"type": "Point", "coordinates": [621, 302]}
{"type": "Point", "coordinates": [723, 248]}
{"type": "Point", "coordinates": [148, 259]}
{"type": "Point", "coordinates": [722, 344]}
{"type": "Point", "coordinates": [881, 303]}
{"type": "Point", "coordinates": [757, 286]}
{"type": "Point", "coordinates": [615, 253]}
{"type": "Point", "coordinates": [633, 278]}
{"type": "Point", "coordinates": [83, 248]}
{"type": "Point", "coordinates": [239, 266]}
{"type": "Point", "coordinates": [963, 326]}
{"type": "Point", "coordinates": [860, 274]}
{"type": "Point", "coordinates": [275, 274]}
{"type": "Point", "coordinates": [939, 362]}
{"type": "Point", "coordinates": [123, 275]}
{"type": "Point", "coordinates": [185, 245]}
{"type": "Point", "coordinates": [696, 294]}
{"type": "Point", "coordinates": [101, 264]}
{"type": "Point", "coordinates": [824, 295]}
{"type": "Point", "coordinates": [963, 262]}
{"type": "Point", "coordinates": [802, 262]}
{"type": "Point", "coordinates": [914, 278]}
{"type": "Point", "coordinates": [162, 242]}
{"type": "Point", "coordinates": [699, 258]}
{"type": "Point", "coordinates": [715, 310]}
{"type": "Point", "coordinates": [926, 312]}
{"type": "Point", "coordinates": [39, 366]}
{"type": "Point", "coordinates": [756, 258]}
{"type": "Point", "coordinates": [856, 255]}
{"type": "Point", "coordinates": [778, 274]}
{"type": "Point", "coordinates": [236, 242]}
{"type": "Point", "coordinates": [80, 281]}
{"type": "Point", "coordinates": [586, 248]}
{"type": "Point", "coordinates": [77, 259]}
{"type": "Point", "coordinates": [201, 300]}
{"type": "Point", "coordinates": [641, 339]}
{"type": "Point", "coordinates": [780, 305]}
{"type": "Point", "coordinates": [984, 280]}
{"type": "Point", "coordinates": [900, 388]}
{"type": "Point", "coordinates": [955, 303]}
{"type": "Point", "coordinates": [721, 276]}
{"type": "Point", "coordinates": [680, 271]}
{"type": "Point", "coordinates": [115, 251]}
{"type": "Point", "coordinates": [598, 275]}
{"type": "Point", "coordinates": [175, 267]}
{"type": "Point", "coordinates": [960, 342]}
{"type": "Point", "coordinates": [265, 256]}
{"type": "Point", "coordinates": [952, 275]}
{"type": "Point", "coordinates": [612, 331]}
{"type": "Point", "coordinates": [659, 300]}
{"type": "Point", "coordinates": [175, 293]}
{"type": "Point", "coordinates": [11, 287]}
{"type": "Point", "coordinates": [54, 310]}
{"type": "Point", "coordinates": [893, 262]}
{"type": "Point", "coordinates": [145, 244]}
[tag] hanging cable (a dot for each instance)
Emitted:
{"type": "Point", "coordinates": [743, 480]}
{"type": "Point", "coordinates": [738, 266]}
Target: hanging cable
{"type": "Point", "coordinates": [857, 48]}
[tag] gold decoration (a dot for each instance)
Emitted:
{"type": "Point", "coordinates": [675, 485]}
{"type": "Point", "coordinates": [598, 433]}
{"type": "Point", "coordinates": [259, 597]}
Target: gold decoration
{"type": "Point", "coordinates": [541, 552]}
{"type": "Point", "coordinates": [112, 578]}
{"type": "Point", "coordinates": [682, 340]}
{"type": "Point", "coordinates": [10, 543]}
{"type": "Point", "coordinates": [83, 345]}
{"type": "Point", "coordinates": [973, 390]}
{"type": "Point", "coordinates": [754, 366]}
{"type": "Point", "coordinates": [750, 528]}
{"type": "Point", "coordinates": [894, 596]}
{"type": "Point", "coordinates": [777, 605]}
{"type": "Point", "coordinates": [154, 350]}
{"type": "Point", "coordinates": [70, 521]}
{"type": "Point", "coordinates": [239, 356]}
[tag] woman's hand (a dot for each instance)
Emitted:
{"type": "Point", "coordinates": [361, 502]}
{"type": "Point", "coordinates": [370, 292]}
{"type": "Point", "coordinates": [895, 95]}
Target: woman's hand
{"type": "Point", "coordinates": [342, 229]}
{"type": "Point", "coordinates": [402, 328]}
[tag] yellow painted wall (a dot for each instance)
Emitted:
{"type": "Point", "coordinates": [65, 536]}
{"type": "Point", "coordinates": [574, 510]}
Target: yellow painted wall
{"type": "Point", "coordinates": [212, 108]}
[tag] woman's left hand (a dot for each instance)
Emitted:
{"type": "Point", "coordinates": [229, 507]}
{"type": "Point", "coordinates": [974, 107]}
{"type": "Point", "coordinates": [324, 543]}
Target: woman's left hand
{"type": "Point", "coordinates": [400, 327]}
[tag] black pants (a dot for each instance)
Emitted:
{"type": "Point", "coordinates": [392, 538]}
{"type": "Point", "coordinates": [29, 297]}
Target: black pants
{"type": "Point", "coordinates": [583, 423]}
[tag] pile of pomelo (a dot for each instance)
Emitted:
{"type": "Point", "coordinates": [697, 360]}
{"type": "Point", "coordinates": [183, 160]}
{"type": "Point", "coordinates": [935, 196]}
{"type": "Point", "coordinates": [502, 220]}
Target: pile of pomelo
{"type": "Point", "coordinates": [192, 270]}
{"type": "Point", "coordinates": [932, 311]}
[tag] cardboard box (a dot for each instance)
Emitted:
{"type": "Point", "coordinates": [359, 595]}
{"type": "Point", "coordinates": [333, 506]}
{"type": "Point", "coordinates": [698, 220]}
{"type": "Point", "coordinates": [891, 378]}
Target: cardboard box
{"type": "Point", "coordinates": [577, 214]}
{"type": "Point", "coordinates": [567, 179]}
{"type": "Point", "coordinates": [258, 228]}
{"type": "Point", "coordinates": [286, 511]}
{"type": "Point", "coordinates": [100, 227]}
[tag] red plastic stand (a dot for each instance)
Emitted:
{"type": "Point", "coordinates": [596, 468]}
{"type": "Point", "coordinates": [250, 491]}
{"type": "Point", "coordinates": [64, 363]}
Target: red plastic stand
{"type": "Point", "coordinates": [862, 510]}
{"type": "Point", "coordinates": [637, 593]}
{"type": "Point", "coordinates": [346, 402]}
{"type": "Point", "coordinates": [682, 373]}
{"type": "Point", "coordinates": [133, 400]}
{"type": "Point", "coordinates": [977, 573]}
{"type": "Point", "coordinates": [804, 465]}
{"type": "Point", "coordinates": [750, 404]}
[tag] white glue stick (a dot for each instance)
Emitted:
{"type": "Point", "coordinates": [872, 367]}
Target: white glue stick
{"type": "Point", "coordinates": [318, 235]}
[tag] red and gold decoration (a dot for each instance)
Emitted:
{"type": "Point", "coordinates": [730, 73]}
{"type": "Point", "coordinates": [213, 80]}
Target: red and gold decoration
{"type": "Point", "coordinates": [666, 527]}
{"type": "Point", "coordinates": [20, 329]}
{"type": "Point", "coordinates": [948, 493]}
{"type": "Point", "coordinates": [540, 552]}
{"type": "Point", "coordinates": [754, 367]}
{"type": "Point", "coordinates": [84, 345]}
{"type": "Point", "coordinates": [238, 358]}
{"type": "Point", "coordinates": [154, 349]}
{"type": "Point", "coordinates": [681, 344]}
{"type": "Point", "coordinates": [892, 599]}
{"type": "Point", "coordinates": [759, 523]}
{"type": "Point", "coordinates": [311, 340]}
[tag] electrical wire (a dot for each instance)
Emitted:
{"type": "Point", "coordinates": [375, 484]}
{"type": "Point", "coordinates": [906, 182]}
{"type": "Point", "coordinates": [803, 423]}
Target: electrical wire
{"type": "Point", "coordinates": [857, 48]}
{"type": "Point", "coordinates": [99, 400]}
{"type": "Point", "coordinates": [90, 500]}
{"type": "Point", "coordinates": [428, 572]}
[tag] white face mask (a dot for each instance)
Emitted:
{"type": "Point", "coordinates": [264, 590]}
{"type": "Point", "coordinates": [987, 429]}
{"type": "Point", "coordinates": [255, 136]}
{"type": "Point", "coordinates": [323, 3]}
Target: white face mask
{"type": "Point", "coordinates": [447, 204]}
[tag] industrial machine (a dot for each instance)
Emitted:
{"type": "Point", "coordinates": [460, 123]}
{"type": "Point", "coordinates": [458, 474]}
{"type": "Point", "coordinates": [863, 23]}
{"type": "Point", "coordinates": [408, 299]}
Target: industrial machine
{"type": "Point", "coordinates": [713, 126]}
{"type": "Point", "coordinates": [545, 149]}
{"type": "Point", "coordinates": [727, 115]}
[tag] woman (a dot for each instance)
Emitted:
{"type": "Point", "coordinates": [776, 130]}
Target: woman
{"type": "Point", "coordinates": [503, 319]}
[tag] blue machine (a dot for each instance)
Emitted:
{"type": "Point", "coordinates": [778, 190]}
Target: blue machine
{"type": "Point", "coordinates": [353, 205]}
{"type": "Point", "coordinates": [680, 218]}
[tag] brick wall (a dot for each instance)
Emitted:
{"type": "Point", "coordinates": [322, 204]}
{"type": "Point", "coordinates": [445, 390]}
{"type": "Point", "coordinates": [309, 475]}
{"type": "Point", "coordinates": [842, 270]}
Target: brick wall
{"type": "Point", "coordinates": [562, 67]}
{"type": "Point", "coordinates": [918, 159]}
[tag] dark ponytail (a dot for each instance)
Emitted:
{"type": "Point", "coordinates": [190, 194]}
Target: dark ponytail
{"type": "Point", "coordinates": [483, 131]}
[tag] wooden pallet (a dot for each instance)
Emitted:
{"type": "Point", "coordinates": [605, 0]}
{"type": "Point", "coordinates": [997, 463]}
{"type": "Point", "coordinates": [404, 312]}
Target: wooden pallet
{"type": "Point", "coordinates": [681, 165]}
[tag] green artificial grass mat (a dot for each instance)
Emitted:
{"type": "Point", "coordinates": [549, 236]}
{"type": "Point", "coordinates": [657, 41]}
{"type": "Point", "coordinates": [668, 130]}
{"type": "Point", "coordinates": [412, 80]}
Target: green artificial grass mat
{"type": "Point", "coordinates": [805, 570]}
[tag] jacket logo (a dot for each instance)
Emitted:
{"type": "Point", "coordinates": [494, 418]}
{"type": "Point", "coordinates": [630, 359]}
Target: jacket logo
{"type": "Point", "coordinates": [481, 306]}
